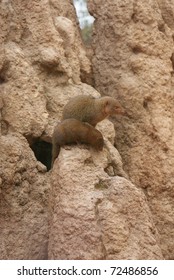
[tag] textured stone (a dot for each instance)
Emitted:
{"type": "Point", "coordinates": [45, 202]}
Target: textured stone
{"type": "Point", "coordinates": [95, 216]}
{"type": "Point", "coordinates": [37, 53]}
{"type": "Point", "coordinates": [133, 50]}
{"type": "Point", "coordinates": [24, 105]}
{"type": "Point", "coordinates": [23, 201]}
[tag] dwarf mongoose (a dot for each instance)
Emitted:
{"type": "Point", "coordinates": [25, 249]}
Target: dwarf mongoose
{"type": "Point", "coordinates": [72, 131]}
{"type": "Point", "coordinates": [86, 108]}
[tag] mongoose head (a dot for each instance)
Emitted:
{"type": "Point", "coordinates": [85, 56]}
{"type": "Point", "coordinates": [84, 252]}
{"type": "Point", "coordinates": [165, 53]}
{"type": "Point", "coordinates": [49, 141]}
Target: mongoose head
{"type": "Point", "coordinates": [113, 107]}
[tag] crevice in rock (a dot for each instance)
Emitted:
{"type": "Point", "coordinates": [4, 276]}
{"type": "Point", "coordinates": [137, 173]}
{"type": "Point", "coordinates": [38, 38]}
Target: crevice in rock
{"type": "Point", "coordinates": [3, 72]}
{"type": "Point", "coordinates": [85, 20]}
{"type": "Point", "coordinates": [146, 101]}
{"type": "Point", "coordinates": [3, 75]}
{"type": "Point", "coordinates": [101, 185]}
{"type": "Point", "coordinates": [172, 60]}
{"type": "Point", "coordinates": [104, 251]}
{"type": "Point", "coordinates": [109, 170]}
{"type": "Point", "coordinates": [136, 50]}
{"type": "Point", "coordinates": [4, 127]}
{"type": "Point", "coordinates": [161, 28]}
{"type": "Point", "coordinates": [2, 79]}
{"type": "Point", "coordinates": [134, 18]}
{"type": "Point", "coordinates": [42, 152]}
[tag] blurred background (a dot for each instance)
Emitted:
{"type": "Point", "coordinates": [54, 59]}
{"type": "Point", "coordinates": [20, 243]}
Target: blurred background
{"type": "Point", "coordinates": [85, 19]}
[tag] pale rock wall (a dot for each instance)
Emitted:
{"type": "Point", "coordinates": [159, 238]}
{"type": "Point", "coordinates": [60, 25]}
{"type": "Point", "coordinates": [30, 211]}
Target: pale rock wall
{"type": "Point", "coordinates": [133, 61]}
{"type": "Point", "coordinates": [40, 50]}
{"type": "Point", "coordinates": [23, 201]}
{"type": "Point", "coordinates": [95, 216]}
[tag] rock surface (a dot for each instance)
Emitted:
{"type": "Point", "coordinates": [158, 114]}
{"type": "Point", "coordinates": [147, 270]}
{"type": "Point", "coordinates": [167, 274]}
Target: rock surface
{"type": "Point", "coordinates": [24, 189]}
{"type": "Point", "coordinates": [40, 50]}
{"type": "Point", "coordinates": [133, 61]}
{"type": "Point", "coordinates": [95, 216]}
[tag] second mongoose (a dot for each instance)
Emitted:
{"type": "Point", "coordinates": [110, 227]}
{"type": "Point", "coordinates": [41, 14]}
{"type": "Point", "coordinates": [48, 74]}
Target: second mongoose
{"type": "Point", "coordinates": [92, 110]}
{"type": "Point", "coordinates": [72, 131]}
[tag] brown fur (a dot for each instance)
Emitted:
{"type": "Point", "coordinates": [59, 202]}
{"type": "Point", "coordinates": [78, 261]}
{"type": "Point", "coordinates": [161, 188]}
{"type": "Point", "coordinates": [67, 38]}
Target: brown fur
{"type": "Point", "coordinates": [72, 131]}
{"type": "Point", "coordinates": [92, 110]}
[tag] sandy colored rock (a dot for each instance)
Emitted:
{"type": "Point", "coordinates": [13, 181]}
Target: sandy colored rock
{"type": "Point", "coordinates": [37, 52]}
{"type": "Point", "coordinates": [133, 50]}
{"type": "Point", "coordinates": [24, 189]}
{"type": "Point", "coordinates": [95, 216]}
{"type": "Point", "coordinates": [24, 104]}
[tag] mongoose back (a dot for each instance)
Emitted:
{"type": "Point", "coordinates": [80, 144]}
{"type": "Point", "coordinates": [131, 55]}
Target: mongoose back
{"type": "Point", "coordinates": [72, 131]}
{"type": "Point", "coordinates": [92, 110]}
